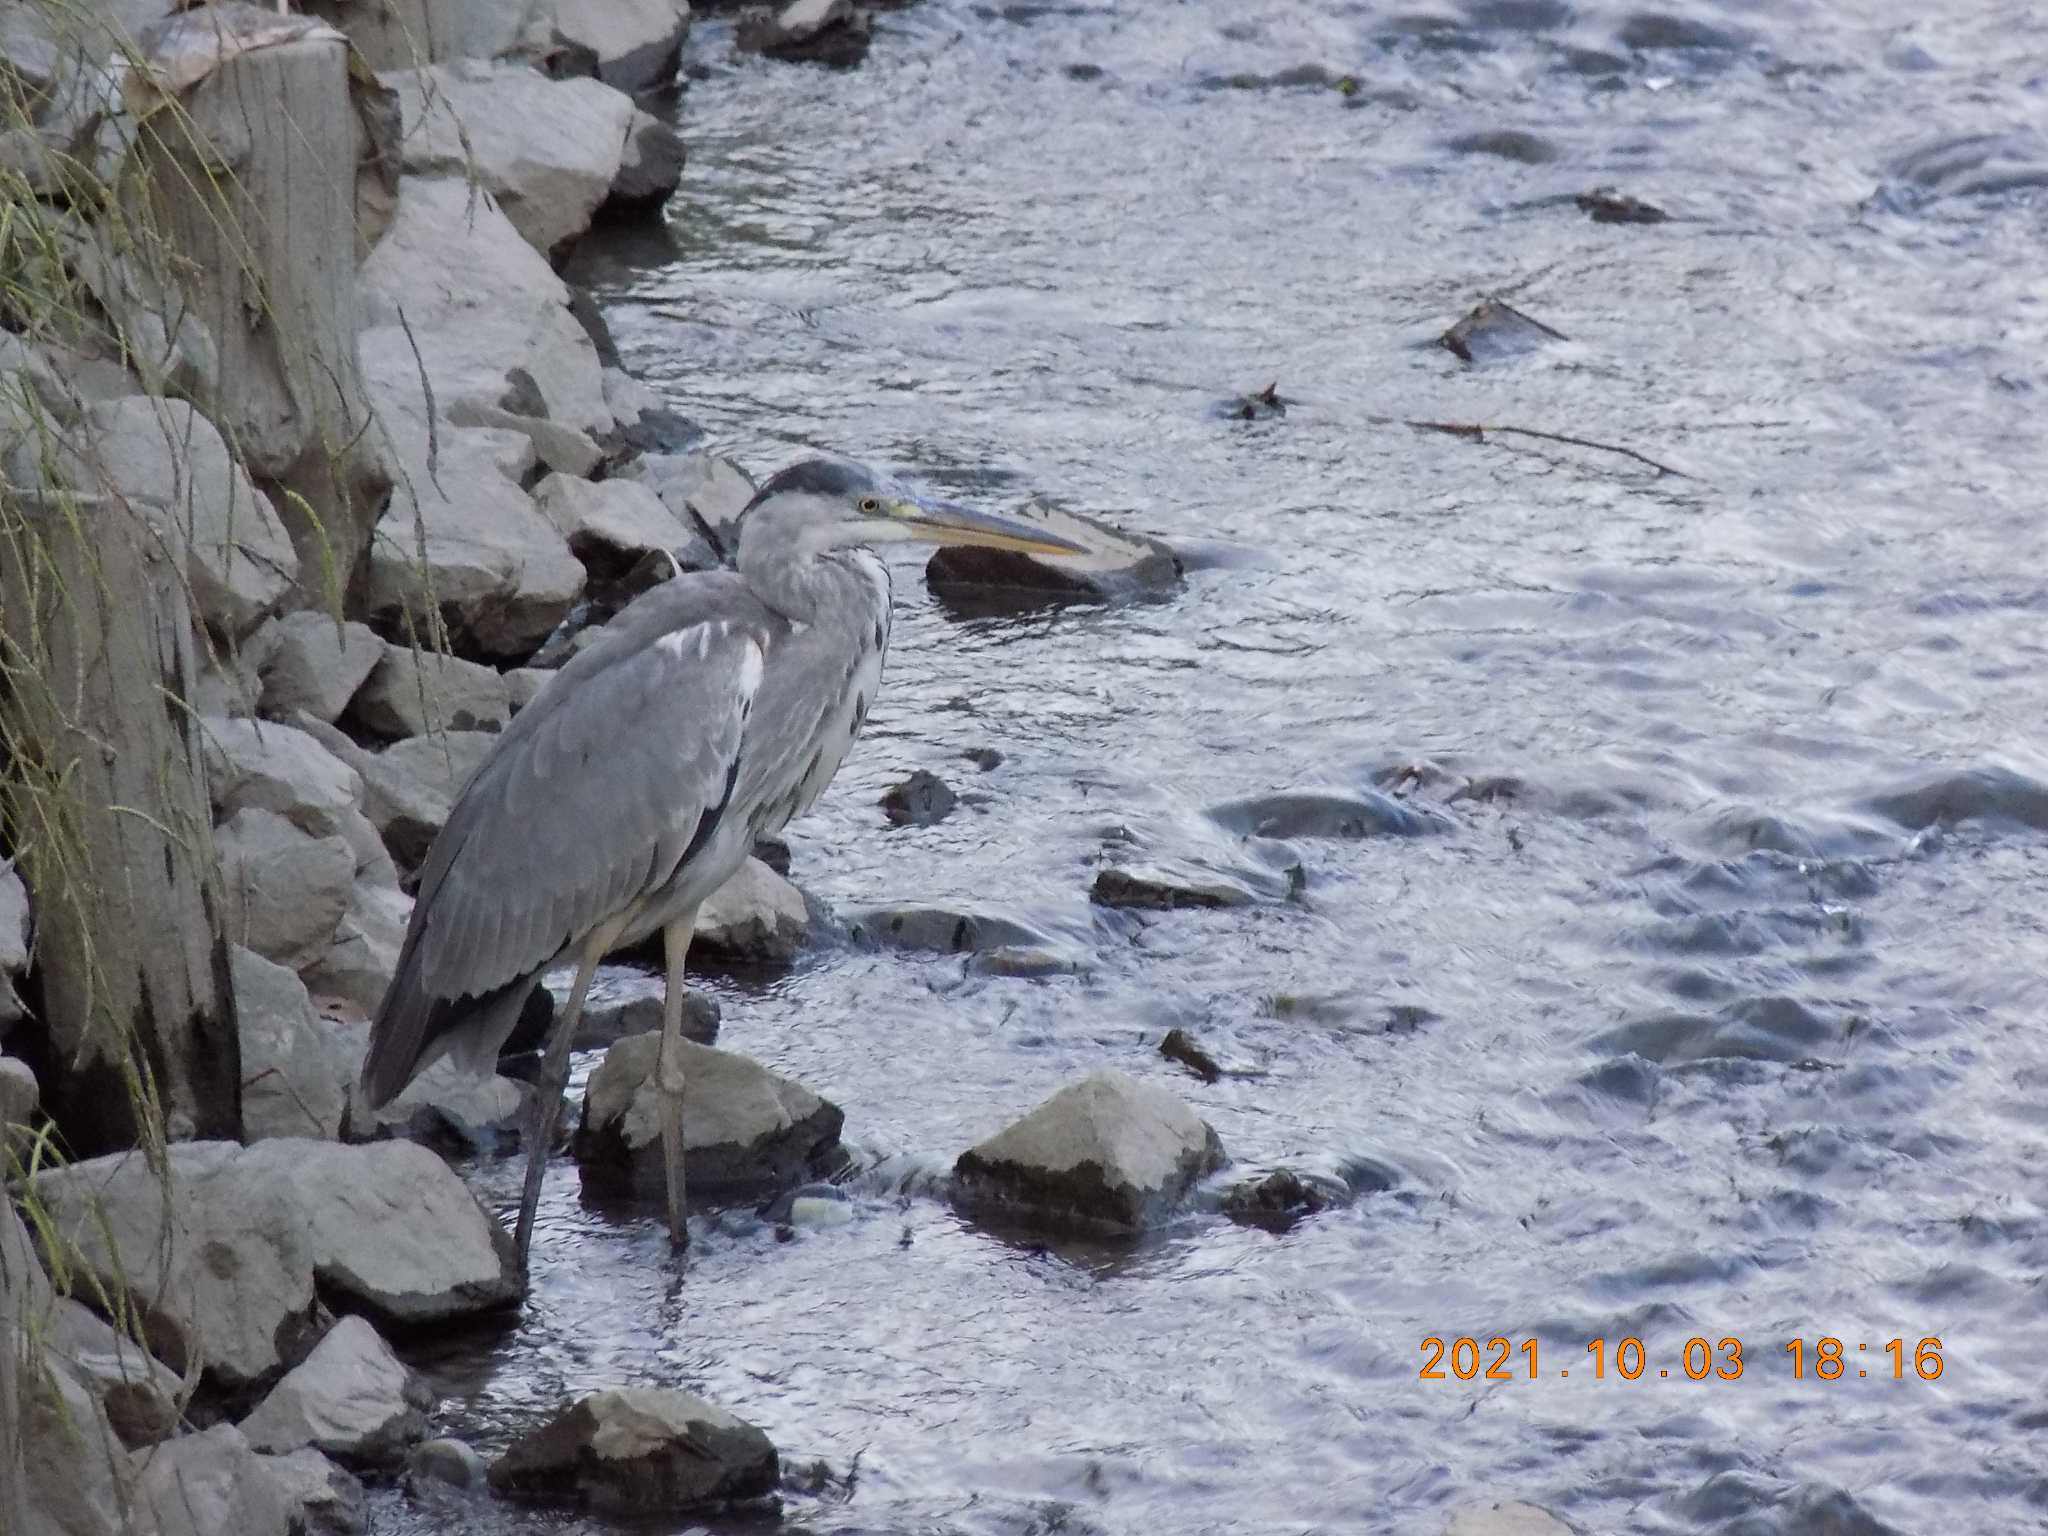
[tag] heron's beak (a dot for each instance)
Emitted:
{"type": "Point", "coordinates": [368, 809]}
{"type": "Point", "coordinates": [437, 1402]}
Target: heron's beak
{"type": "Point", "coordinates": [941, 522]}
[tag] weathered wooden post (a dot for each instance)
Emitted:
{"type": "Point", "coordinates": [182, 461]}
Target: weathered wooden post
{"type": "Point", "coordinates": [108, 809]}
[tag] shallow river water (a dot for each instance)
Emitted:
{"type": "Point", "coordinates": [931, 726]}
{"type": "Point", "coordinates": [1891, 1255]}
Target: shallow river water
{"type": "Point", "coordinates": [1713, 1004]}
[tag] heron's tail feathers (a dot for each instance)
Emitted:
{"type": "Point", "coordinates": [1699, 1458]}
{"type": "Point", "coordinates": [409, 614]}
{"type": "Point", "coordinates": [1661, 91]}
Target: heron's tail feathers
{"type": "Point", "coordinates": [413, 1029]}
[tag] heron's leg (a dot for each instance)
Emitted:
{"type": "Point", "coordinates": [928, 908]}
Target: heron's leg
{"type": "Point", "coordinates": [668, 1075]}
{"type": "Point", "coordinates": [547, 1100]}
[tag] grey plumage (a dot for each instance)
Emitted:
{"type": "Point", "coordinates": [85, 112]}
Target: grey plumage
{"type": "Point", "coordinates": [713, 710]}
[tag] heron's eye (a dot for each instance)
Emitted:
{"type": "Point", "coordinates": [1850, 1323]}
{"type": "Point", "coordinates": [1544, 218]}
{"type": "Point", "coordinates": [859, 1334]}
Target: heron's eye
{"type": "Point", "coordinates": [869, 506]}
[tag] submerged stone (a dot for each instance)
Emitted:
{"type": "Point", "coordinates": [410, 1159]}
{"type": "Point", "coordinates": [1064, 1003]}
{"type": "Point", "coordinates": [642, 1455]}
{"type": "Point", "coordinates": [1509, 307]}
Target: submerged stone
{"type": "Point", "coordinates": [637, 1452]}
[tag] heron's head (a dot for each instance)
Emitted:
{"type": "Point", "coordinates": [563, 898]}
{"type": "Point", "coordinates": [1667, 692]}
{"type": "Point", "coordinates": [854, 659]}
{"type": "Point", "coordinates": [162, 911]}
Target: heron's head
{"type": "Point", "coordinates": [817, 505]}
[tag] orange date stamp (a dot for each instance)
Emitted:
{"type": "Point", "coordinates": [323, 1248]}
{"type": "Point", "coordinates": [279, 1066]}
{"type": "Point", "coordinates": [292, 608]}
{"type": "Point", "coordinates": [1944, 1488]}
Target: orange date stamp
{"type": "Point", "coordinates": [1827, 1358]}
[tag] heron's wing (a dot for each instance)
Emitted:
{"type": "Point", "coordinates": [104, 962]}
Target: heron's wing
{"type": "Point", "coordinates": [615, 772]}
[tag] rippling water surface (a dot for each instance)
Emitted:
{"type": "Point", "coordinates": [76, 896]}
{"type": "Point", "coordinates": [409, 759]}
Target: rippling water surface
{"type": "Point", "coordinates": [1713, 1007]}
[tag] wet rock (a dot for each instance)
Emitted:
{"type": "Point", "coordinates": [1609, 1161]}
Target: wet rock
{"type": "Point", "coordinates": [987, 759]}
{"type": "Point", "coordinates": [418, 693]}
{"type": "Point", "coordinates": [446, 1463]}
{"type": "Point", "coordinates": [411, 786]}
{"type": "Point", "coordinates": [286, 891]}
{"type": "Point", "coordinates": [809, 1205]}
{"type": "Point", "coordinates": [1506, 144]}
{"type": "Point", "coordinates": [635, 44]}
{"type": "Point", "coordinates": [1770, 1028]}
{"type": "Point", "coordinates": [141, 1396]}
{"type": "Point", "coordinates": [922, 800]}
{"type": "Point", "coordinates": [748, 1131]}
{"type": "Point", "coordinates": [1178, 1045]}
{"type": "Point", "coordinates": [1160, 889]}
{"type": "Point", "coordinates": [363, 956]}
{"type": "Point", "coordinates": [350, 1399]}
{"type": "Point", "coordinates": [207, 1485]}
{"type": "Point", "coordinates": [1264, 405]}
{"type": "Point", "coordinates": [548, 150]}
{"type": "Point", "coordinates": [757, 915]}
{"type": "Point", "coordinates": [1294, 76]}
{"type": "Point", "coordinates": [453, 1111]}
{"type": "Point", "coordinates": [268, 766]}
{"type": "Point", "coordinates": [649, 172]}
{"type": "Point", "coordinates": [639, 1452]}
{"type": "Point", "coordinates": [224, 1278]}
{"type": "Point", "coordinates": [1281, 1199]}
{"type": "Point", "coordinates": [647, 424]}
{"type": "Point", "coordinates": [1117, 566]}
{"type": "Point", "coordinates": [607, 1023]}
{"type": "Point", "coordinates": [1992, 791]}
{"type": "Point", "coordinates": [705, 491]}
{"type": "Point", "coordinates": [1496, 330]}
{"type": "Point", "coordinates": [1023, 961]}
{"type": "Point", "coordinates": [293, 1073]}
{"type": "Point", "coordinates": [1966, 165]}
{"type": "Point", "coordinates": [610, 524]}
{"type": "Point", "coordinates": [941, 930]}
{"type": "Point", "coordinates": [317, 665]}
{"type": "Point", "coordinates": [164, 459]}
{"type": "Point", "coordinates": [1607, 206]}
{"type": "Point", "coordinates": [1505, 1520]}
{"type": "Point", "coordinates": [832, 32]}
{"type": "Point", "coordinates": [322, 1498]}
{"type": "Point", "coordinates": [1107, 1152]}
{"type": "Point", "coordinates": [1648, 30]}
{"type": "Point", "coordinates": [14, 939]}
{"type": "Point", "coordinates": [773, 852]}
{"type": "Point", "coordinates": [1326, 813]}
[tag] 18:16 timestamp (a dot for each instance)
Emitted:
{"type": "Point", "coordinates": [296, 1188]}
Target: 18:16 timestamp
{"type": "Point", "coordinates": [1701, 1359]}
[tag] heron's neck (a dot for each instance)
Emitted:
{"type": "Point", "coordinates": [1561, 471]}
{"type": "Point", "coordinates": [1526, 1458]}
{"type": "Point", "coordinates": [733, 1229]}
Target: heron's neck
{"type": "Point", "coordinates": [813, 586]}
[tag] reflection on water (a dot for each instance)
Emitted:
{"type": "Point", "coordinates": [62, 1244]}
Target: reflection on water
{"type": "Point", "coordinates": [1678, 1020]}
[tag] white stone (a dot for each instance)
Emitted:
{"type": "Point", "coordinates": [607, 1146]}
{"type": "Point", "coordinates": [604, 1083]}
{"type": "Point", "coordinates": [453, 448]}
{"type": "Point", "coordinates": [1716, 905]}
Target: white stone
{"type": "Point", "coordinates": [268, 766]}
{"type": "Point", "coordinates": [416, 693]}
{"type": "Point", "coordinates": [163, 457]}
{"type": "Point", "coordinates": [225, 1277]}
{"type": "Point", "coordinates": [612, 521]}
{"type": "Point", "coordinates": [351, 1398]}
{"type": "Point", "coordinates": [1108, 1151]}
{"type": "Point", "coordinates": [636, 41]}
{"type": "Point", "coordinates": [757, 914]}
{"type": "Point", "coordinates": [548, 150]}
{"type": "Point", "coordinates": [209, 1484]}
{"type": "Point", "coordinates": [317, 665]}
{"type": "Point", "coordinates": [286, 891]}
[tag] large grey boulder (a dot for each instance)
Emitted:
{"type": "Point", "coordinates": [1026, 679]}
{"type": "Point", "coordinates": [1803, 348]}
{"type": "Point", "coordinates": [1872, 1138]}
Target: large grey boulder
{"type": "Point", "coordinates": [324, 1499]}
{"type": "Point", "coordinates": [706, 491]}
{"type": "Point", "coordinates": [481, 303]}
{"type": "Point", "coordinates": [73, 1459]}
{"type": "Point", "coordinates": [286, 891]}
{"type": "Point", "coordinates": [295, 1067]}
{"type": "Point", "coordinates": [637, 43]}
{"type": "Point", "coordinates": [398, 34]}
{"type": "Point", "coordinates": [639, 1452]}
{"type": "Point", "coordinates": [412, 786]}
{"type": "Point", "coordinates": [1108, 1152]}
{"type": "Point", "coordinates": [207, 1484]}
{"type": "Point", "coordinates": [756, 915]}
{"type": "Point", "coordinates": [14, 937]}
{"type": "Point", "coordinates": [142, 1397]}
{"type": "Point", "coordinates": [317, 665]}
{"type": "Point", "coordinates": [162, 458]}
{"type": "Point", "coordinates": [548, 150]}
{"type": "Point", "coordinates": [351, 1398]}
{"type": "Point", "coordinates": [267, 766]}
{"type": "Point", "coordinates": [415, 693]}
{"type": "Point", "coordinates": [221, 1270]}
{"type": "Point", "coordinates": [359, 964]}
{"type": "Point", "coordinates": [609, 523]}
{"type": "Point", "coordinates": [649, 172]}
{"type": "Point", "coordinates": [748, 1131]}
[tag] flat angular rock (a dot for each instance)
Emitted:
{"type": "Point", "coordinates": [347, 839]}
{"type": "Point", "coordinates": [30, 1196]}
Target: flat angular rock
{"type": "Point", "coordinates": [1161, 889]}
{"type": "Point", "coordinates": [351, 1399]}
{"type": "Point", "coordinates": [922, 800]}
{"type": "Point", "coordinates": [706, 491]}
{"type": "Point", "coordinates": [639, 1452]}
{"type": "Point", "coordinates": [208, 1485]}
{"type": "Point", "coordinates": [416, 693]}
{"type": "Point", "coordinates": [72, 1458]}
{"type": "Point", "coordinates": [317, 665]}
{"type": "Point", "coordinates": [609, 524]}
{"type": "Point", "coordinates": [142, 1397]}
{"type": "Point", "coordinates": [548, 150]}
{"type": "Point", "coordinates": [1326, 813]}
{"type": "Point", "coordinates": [323, 1499]}
{"type": "Point", "coordinates": [942, 930]}
{"type": "Point", "coordinates": [1117, 567]}
{"type": "Point", "coordinates": [226, 1277]}
{"type": "Point", "coordinates": [363, 956]}
{"type": "Point", "coordinates": [268, 766]}
{"type": "Point", "coordinates": [606, 1024]}
{"type": "Point", "coordinates": [1280, 1200]}
{"type": "Point", "coordinates": [651, 168]}
{"type": "Point", "coordinates": [1107, 1152]}
{"type": "Point", "coordinates": [749, 1132]}
{"type": "Point", "coordinates": [1505, 1519]}
{"type": "Point", "coordinates": [447, 1108]}
{"type": "Point", "coordinates": [636, 43]}
{"type": "Point", "coordinates": [294, 1071]}
{"type": "Point", "coordinates": [1495, 330]}
{"type": "Point", "coordinates": [411, 787]}
{"type": "Point", "coordinates": [756, 915]}
{"type": "Point", "coordinates": [833, 32]}
{"type": "Point", "coordinates": [162, 456]}
{"type": "Point", "coordinates": [286, 891]}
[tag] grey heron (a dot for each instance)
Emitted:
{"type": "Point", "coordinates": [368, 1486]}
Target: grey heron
{"type": "Point", "coordinates": [713, 710]}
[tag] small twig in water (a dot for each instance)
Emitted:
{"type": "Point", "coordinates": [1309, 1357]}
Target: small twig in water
{"type": "Point", "coordinates": [1474, 432]}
